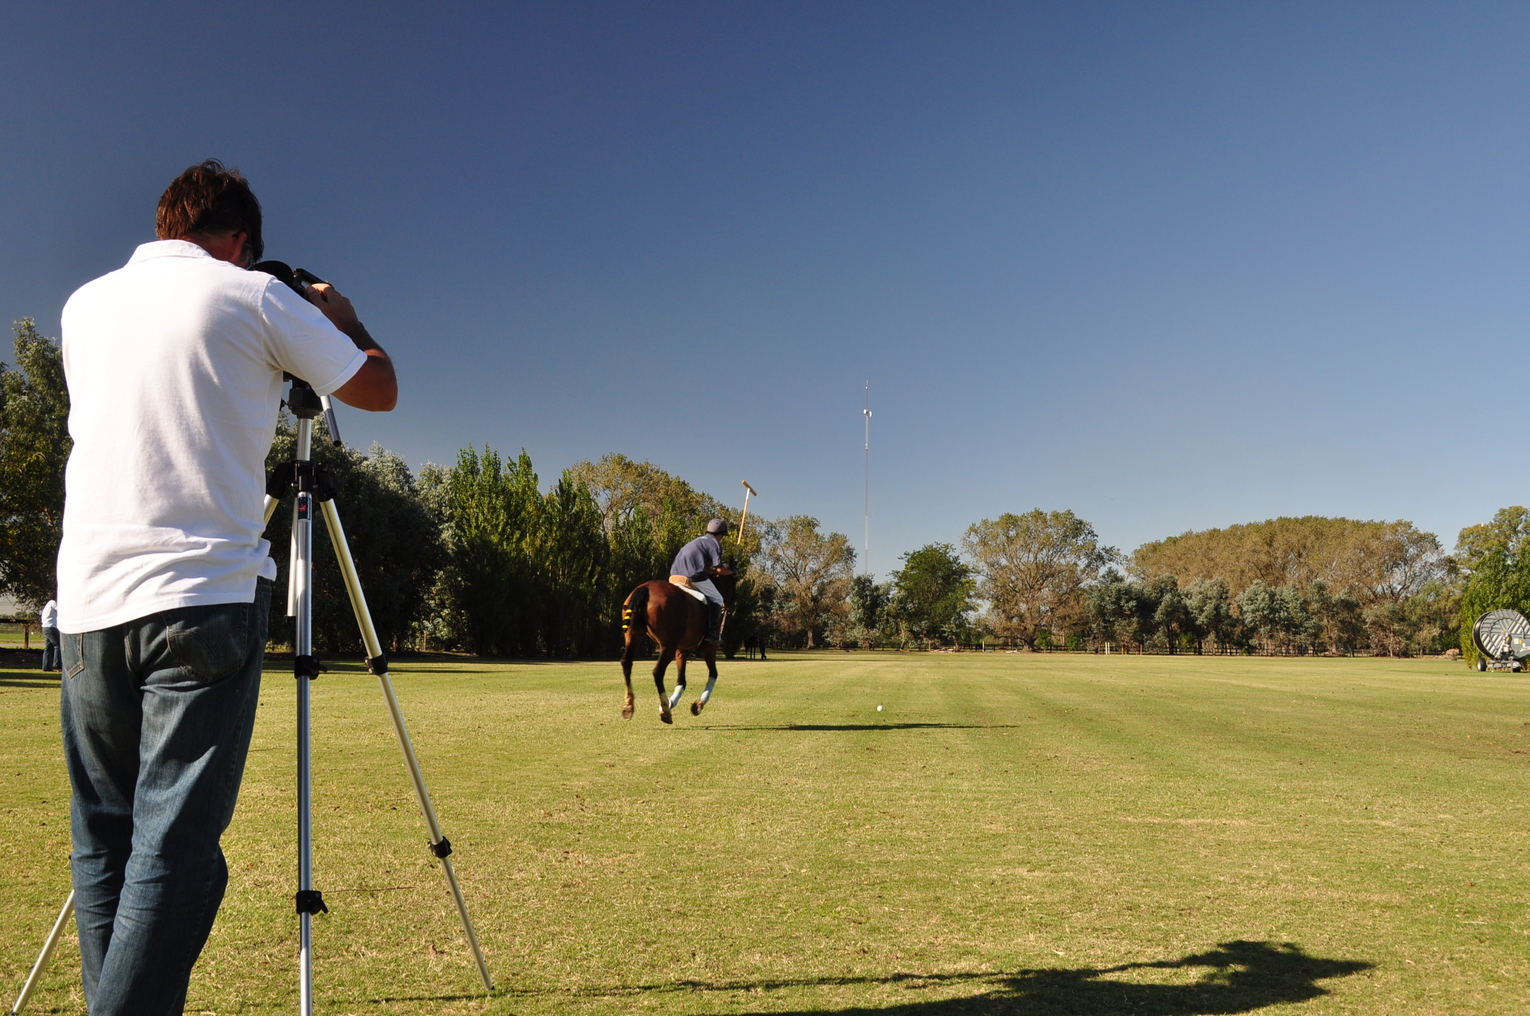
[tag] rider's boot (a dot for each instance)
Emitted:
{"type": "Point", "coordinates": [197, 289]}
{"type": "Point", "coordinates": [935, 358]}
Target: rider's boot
{"type": "Point", "coordinates": [714, 621]}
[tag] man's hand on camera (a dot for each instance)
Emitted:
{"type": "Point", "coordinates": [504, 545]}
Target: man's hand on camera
{"type": "Point", "coordinates": [334, 306]}
{"type": "Point", "coordinates": [374, 387]}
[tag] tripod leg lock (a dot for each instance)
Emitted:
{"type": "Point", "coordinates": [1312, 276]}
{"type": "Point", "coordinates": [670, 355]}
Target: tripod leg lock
{"type": "Point", "coordinates": [312, 477]}
{"type": "Point", "coordinates": [377, 665]}
{"type": "Point", "coordinates": [307, 666]}
{"type": "Point", "coordinates": [279, 483]}
{"type": "Point", "coordinates": [311, 901]}
{"type": "Point", "coordinates": [323, 482]}
{"type": "Point", "coordinates": [443, 848]}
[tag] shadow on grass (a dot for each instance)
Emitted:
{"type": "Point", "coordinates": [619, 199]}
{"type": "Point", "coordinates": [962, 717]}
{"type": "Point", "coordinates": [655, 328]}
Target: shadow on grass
{"type": "Point", "coordinates": [864, 726]}
{"type": "Point", "coordinates": [1235, 977]}
{"type": "Point", "coordinates": [28, 679]}
{"type": "Point", "coordinates": [478, 996]}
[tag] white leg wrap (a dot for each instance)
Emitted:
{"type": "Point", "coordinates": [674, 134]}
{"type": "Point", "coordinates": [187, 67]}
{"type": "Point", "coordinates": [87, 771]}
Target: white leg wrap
{"type": "Point", "coordinates": [706, 693]}
{"type": "Point", "coordinates": [674, 696]}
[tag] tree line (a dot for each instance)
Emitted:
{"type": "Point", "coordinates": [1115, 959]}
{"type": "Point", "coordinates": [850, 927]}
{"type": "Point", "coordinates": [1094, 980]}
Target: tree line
{"type": "Point", "coordinates": [1042, 580]}
{"type": "Point", "coordinates": [478, 557]}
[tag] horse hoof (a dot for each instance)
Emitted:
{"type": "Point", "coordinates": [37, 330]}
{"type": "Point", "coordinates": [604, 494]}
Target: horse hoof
{"type": "Point", "coordinates": [666, 717]}
{"type": "Point", "coordinates": [626, 712]}
{"type": "Point", "coordinates": [695, 708]}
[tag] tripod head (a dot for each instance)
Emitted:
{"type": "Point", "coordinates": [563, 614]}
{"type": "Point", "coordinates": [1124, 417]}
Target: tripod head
{"type": "Point", "coordinates": [305, 405]}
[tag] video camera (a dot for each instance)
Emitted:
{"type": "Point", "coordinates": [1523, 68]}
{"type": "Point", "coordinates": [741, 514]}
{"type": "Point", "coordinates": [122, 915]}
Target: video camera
{"type": "Point", "coordinates": [297, 279]}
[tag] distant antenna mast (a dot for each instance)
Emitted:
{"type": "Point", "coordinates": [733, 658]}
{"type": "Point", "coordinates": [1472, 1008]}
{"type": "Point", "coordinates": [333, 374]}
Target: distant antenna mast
{"type": "Point", "coordinates": [867, 545]}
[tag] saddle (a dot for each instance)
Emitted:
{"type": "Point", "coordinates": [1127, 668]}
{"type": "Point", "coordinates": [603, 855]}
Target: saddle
{"type": "Point", "coordinates": [684, 582]}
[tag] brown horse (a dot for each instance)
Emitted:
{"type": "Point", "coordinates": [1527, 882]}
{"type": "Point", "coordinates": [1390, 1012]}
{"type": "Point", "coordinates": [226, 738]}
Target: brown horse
{"type": "Point", "coordinates": [677, 622]}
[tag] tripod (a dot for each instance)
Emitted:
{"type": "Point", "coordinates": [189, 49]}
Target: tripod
{"type": "Point", "coordinates": [309, 483]}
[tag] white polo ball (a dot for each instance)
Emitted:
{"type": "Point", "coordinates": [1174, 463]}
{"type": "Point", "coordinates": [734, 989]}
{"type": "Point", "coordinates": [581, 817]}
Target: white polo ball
{"type": "Point", "coordinates": [879, 709]}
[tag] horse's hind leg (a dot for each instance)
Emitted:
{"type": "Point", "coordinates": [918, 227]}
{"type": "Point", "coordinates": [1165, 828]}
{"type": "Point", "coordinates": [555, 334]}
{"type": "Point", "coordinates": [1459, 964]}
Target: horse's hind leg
{"type": "Point", "coordinates": [665, 655]}
{"type": "Point", "coordinates": [627, 654]}
{"type": "Point", "coordinates": [674, 698]}
{"type": "Point", "coordinates": [706, 693]}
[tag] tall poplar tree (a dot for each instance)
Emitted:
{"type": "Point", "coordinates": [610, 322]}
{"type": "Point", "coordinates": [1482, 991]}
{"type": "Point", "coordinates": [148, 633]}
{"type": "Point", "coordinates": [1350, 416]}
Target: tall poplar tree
{"type": "Point", "coordinates": [34, 446]}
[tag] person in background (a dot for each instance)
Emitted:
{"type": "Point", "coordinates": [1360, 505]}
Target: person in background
{"type": "Point", "coordinates": [49, 621]}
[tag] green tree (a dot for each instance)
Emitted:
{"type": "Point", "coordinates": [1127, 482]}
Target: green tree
{"type": "Point", "coordinates": [1119, 611]}
{"type": "Point", "coordinates": [34, 447]}
{"type": "Point", "coordinates": [1371, 560]}
{"type": "Point", "coordinates": [1408, 559]}
{"type": "Point", "coordinates": [1209, 604]}
{"type": "Point", "coordinates": [483, 599]}
{"type": "Point", "coordinates": [1033, 570]}
{"type": "Point", "coordinates": [1507, 532]}
{"type": "Point", "coordinates": [1338, 618]}
{"type": "Point", "coordinates": [1278, 616]}
{"type": "Point", "coordinates": [624, 489]}
{"type": "Point", "coordinates": [811, 572]}
{"type": "Point", "coordinates": [933, 593]}
{"type": "Point", "coordinates": [571, 555]}
{"type": "Point", "coordinates": [1172, 618]}
{"type": "Point", "coordinates": [641, 548]}
{"type": "Point", "coordinates": [393, 537]}
{"type": "Point", "coordinates": [868, 607]}
{"type": "Point", "coordinates": [1433, 615]}
{"type": "Point", "coordinates": [1386, 625]}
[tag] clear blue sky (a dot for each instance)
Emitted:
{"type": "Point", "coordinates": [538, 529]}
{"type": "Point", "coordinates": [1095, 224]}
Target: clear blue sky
{"type": "Point", "coordinates": [1168, 265]}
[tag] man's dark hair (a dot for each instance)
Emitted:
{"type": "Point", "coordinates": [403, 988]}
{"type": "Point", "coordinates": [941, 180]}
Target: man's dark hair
{"type": "Point", "coordinates": [210, 199]}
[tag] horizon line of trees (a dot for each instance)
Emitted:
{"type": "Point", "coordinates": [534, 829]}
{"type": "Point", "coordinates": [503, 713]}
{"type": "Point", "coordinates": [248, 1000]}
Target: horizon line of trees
{"type": "Point", "coordinates": [477, 557]}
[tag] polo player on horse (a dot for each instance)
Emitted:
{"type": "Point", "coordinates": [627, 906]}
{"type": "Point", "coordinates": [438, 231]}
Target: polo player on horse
{"type": "Point", "coordinates": [697, 564]}
{"type": "Point", "coordinates": [669, 614]}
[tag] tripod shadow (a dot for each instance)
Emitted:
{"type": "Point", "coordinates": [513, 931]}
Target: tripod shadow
{"type": "Point", "coordinates": [1235, 977]}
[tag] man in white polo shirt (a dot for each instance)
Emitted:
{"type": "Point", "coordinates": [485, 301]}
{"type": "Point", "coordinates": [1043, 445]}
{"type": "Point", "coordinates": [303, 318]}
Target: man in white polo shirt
{"type": "Point", "coordinates": [174, 364]}
{"type": "Point", "coordinates": [48, 620]}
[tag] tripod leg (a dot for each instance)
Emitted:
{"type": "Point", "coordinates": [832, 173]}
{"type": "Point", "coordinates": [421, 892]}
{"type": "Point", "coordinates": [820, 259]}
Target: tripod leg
{"type": "Point", "coordinates": [45, 955]}
{"type": "Point", "coordinates": [300, 599]}
{"type": "Point", "coordinates": [377, 663]}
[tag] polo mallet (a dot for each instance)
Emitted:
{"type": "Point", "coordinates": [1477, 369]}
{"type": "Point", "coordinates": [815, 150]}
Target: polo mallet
{"type": "Point", "coordinates": [738, 539]}
{"type": "Point", "coordinates": [738, 542]}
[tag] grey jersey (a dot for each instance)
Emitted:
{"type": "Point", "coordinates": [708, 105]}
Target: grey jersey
{"type": "Point", "coordinates": [696, 557]}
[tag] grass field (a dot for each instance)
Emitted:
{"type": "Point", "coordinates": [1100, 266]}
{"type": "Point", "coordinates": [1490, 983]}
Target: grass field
{"type": "Point", "coordinates": [1014, 833]}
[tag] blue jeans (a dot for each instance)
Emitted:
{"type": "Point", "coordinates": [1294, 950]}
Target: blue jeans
{"type": "Point", "coordinates": [157, 716]}
{"type": "Point", "coordinates": [50, 649]}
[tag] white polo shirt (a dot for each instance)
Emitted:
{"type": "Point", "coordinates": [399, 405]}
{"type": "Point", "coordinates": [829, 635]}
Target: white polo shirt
{"type": "Point", "coordinates": [174, 364]}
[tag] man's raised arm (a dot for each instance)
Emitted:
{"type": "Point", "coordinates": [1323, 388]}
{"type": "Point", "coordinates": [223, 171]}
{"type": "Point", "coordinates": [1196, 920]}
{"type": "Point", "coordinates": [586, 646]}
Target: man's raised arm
{"type": "Point", "coordinates": [374, 387]}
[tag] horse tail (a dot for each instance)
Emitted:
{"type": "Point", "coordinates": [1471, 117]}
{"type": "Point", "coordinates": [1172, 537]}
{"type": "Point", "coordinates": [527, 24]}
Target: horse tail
{"type": "Point", "coordinates": [635, 611]}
